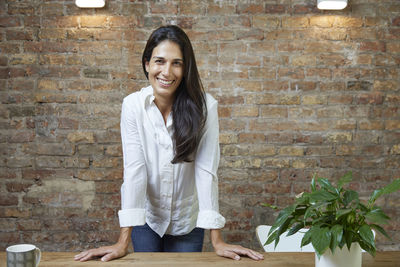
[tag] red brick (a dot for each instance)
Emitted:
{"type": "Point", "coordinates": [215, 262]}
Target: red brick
{"type": "Point", "coordinates": [373, 98]}
{"type": "Point", "coordinates": [60, 22]}
{"type": "Point", "coordinates": [22, 137]}
{"type": "Point", "coordinates": [18, 186]}
{"type": "Point", "coordinates": [10, 22]}
{"type": "Point", "coordinates": [332, 60]}
{"type": "Point", "coordinates": [229, 100]}
{"type": "Point", "coordinates": [216, 9]}
{"type": "Point", "coordinates": [255, 34]}
{"type": "Point", "coordinates": [29, 225]}
{"type": "Point", "coordinates": [192, 8]}
{"type": "Point", "coordinates": [21, 8]}
{"type": "Point", "coordinates": [251, 138]}
{"type": "Point", "coordinates": [224, 112]}
{"type": "Point", "coordinates": [275, 9]}
{"type": "Point", "coordinates": [16, 212]}
{"type": "Point", "coordinates": [250, 8]}
{"type": "Point", "coordinates": [94, 21]}
{"type": "Point", "coordinates": [10, 237]}
{"type": "Point", "coordinates": [297, 73]}
{"type": "Point", "coordinates": [373, 46]}
{"type": "Point", "coordinates": [26, 35]}
{"type": "Point", "coordinates": [396, 21]}
{"type": "Point", "coordinates": [8, 200]}
{"type": "Point", "coordinates": [305, 9]}
{"type": "Point", "coordinates": [250, 189]}
{"type": "Point", "coordinates": [231, 125]}
{"type": "Point", "coordinates": [164, 8]}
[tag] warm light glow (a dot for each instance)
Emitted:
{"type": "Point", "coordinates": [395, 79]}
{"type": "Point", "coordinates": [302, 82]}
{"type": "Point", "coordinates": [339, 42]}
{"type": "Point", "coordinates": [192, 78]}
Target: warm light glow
{"type": "Point", "coordinates": [332, 4]}
{"type": "Point", "coordinates": [90, 3]}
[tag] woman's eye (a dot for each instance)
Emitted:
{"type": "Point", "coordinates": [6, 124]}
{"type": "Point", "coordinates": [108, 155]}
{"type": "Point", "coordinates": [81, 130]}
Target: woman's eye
{"type": "Point", "coordinates": [159, 61]}
{"type": "Point", "coordinates": [178, 64]}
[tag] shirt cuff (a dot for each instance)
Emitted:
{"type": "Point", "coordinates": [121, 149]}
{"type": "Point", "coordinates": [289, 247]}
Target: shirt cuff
{"type": "Point", "coordinates": [209, 219]}
{"type": "Point", "coordinates": [131, 217]}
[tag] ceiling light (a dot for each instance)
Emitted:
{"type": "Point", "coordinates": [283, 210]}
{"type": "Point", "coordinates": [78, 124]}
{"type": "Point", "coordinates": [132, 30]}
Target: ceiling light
{"type": "Point", "coordinates": [90, 3]}
{"type": "Point", "coordinates": [332, 4]}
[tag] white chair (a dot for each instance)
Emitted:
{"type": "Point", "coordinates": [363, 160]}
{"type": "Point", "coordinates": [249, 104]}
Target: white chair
{"type": "Point", "coordinates": [286, 243]}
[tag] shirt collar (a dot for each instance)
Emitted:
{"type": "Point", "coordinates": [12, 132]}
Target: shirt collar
{"type": "Point", "coordinates": [148, 96]}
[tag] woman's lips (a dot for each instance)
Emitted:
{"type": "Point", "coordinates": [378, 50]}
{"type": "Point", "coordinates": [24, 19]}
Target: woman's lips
{"type": "Point", "coordinates": [165, 83]}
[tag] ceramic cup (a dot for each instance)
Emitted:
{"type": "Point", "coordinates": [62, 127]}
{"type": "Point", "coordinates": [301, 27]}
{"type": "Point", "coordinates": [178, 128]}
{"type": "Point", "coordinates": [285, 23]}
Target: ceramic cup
{"type": "Point", "coordinates": [23, 255]}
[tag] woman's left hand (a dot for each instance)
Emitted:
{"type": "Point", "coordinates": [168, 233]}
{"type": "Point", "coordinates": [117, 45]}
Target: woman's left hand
{"type": "Point", "coordinates": [234, 251]}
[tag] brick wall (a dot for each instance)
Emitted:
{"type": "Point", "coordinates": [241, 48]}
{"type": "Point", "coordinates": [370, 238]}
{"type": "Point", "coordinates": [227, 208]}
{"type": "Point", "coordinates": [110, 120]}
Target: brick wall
{"type": "Point", "coordinates": [300, 91]}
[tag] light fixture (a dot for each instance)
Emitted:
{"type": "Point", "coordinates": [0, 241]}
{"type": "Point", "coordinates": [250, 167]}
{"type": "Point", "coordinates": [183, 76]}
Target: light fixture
{"type": "Point", "coordinates": [90, 3]}
{"type": "Point", "coordinates": [332, 4]}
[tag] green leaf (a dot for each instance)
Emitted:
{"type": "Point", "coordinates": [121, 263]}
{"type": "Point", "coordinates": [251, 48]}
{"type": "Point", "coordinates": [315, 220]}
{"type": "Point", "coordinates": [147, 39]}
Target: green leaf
{"type": "Point", "coordinates": [283, 228]}
{"type": "Point", "coordinates": [390, 188]}
{"type": "Point", "coordinates": [377, 216]}
{"type": "Point", "coordinates": [306, 238]}
{"type": "Point", "coordinates": [324, 183]}
{"type": "Point", "coordinates": [371, 250]}
{"type": "Point", "coordinates": [336, 236]}
{"type": "Point", "coordinates": [269, 206]}
{"type": "Point", "coordinates": [295, 229]}
{"type": "Point", "coordinates": [342, 212]}
{"type": "Point", "coordinates": [381, 230]}
{"type": "Point", "coordinates": [363, 207]}
{"type": "Point", "coordinates": [367, 235]}
{"type": "Point", "coordinates": [349, 196]}
{"type": "Point", "coordinates": [308, 213]}
{"type": "Point", "coordinates": [282, 217]}
{"type": "Point", "coordinates": [322, 195]}
{"type": "Point", "coordinates": [313, 187]}
{"type": "Point", "coordinates": [276, 242]}
{"type": "Point", "coordinates": [345, 179]}
{"type": "Point", "coordinates": [320, 239]}
{"type": "Point", "coordinates": [348, 238]}
{"type": "Point", "coordinates": [271, 237]}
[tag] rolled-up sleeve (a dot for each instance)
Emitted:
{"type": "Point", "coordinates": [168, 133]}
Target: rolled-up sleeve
{"type": "Point", "coordinates": [133, 189]}
{"type": "Point", "coordinates": [206, 166]}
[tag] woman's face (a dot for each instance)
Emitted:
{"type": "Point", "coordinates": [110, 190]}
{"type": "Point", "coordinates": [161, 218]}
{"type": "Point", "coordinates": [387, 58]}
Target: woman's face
{"type": "Point", "coordinates": [165, 69]}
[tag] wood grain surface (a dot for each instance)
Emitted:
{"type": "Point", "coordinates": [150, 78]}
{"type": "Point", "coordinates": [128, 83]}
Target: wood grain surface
{"type": "Point", "coordinates": [58, 259]}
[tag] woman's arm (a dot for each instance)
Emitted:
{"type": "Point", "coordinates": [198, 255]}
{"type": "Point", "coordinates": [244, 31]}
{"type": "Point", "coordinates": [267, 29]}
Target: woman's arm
{"type": "Point", "coordinates": [231, 251]}
{"type": "Point", "coordinates": [108, 253]}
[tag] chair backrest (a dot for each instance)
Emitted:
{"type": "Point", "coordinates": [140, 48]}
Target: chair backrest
{"type": "Point", "coordinates": [286, 243]}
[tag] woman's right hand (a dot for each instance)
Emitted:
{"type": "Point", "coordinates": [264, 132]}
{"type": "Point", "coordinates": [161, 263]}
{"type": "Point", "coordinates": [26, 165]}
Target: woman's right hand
{"type": "Point", "coordinates": [106, 253]}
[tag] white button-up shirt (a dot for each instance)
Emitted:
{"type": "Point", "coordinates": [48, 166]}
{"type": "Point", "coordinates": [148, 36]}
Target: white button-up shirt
{"type": "Point", "coordinates": [170, 198]}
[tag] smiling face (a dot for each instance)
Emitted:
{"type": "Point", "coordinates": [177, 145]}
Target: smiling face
{"type": "Point", "coordinates": [165, 69]}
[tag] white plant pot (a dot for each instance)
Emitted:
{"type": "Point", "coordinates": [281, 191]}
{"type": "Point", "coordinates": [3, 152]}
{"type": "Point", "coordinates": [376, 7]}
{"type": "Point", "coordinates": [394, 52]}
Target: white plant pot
{"type": "Point", "coordinates": [341, 258]}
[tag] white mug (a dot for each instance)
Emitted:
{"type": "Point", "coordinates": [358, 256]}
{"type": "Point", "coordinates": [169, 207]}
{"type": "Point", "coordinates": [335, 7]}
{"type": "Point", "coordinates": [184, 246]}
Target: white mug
{"type": "Point", "coordinates": [25, 255]}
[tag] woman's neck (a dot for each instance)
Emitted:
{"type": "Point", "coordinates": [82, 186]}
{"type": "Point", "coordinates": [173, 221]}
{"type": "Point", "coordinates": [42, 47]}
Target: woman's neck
{"type": "Point", "coordinates": [165, 107]}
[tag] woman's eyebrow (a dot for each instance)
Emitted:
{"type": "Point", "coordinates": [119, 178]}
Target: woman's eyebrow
{"type": "Point", "coordinates": [176, 59]}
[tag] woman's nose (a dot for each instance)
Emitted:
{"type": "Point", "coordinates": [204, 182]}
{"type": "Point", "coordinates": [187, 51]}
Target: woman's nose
{"type": "Point", "coordinates": [166, 69]}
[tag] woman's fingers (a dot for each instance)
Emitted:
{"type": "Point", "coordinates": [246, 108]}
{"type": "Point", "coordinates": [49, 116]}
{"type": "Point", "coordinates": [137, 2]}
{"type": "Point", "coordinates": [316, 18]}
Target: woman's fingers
{"type": "Point", "coordinates": [248, 252]}
{"type": "Point", "coordinates": [233, 252]}
{"type": "Point", "coordinates": [230, 254]}
{"type": "Point", "coordinates": [111, 255]}
{"type": "Point", "coordinates": [92, 253]}
{"type": "Point", "coordinates": [106, 253]}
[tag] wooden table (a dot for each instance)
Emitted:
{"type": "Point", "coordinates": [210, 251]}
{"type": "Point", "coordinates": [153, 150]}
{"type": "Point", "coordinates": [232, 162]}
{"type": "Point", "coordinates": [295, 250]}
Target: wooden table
{"type": "Point", "coordinates": [66, 259]}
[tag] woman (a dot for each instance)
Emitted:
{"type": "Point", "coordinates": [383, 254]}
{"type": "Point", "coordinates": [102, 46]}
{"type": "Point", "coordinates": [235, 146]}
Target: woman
{"type": "Point", "coordinates": [170, 146]}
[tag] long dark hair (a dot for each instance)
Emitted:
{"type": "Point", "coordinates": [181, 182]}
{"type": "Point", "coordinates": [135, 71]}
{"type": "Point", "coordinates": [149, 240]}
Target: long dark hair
{"type": "Point", "coordinates": [189, 110]}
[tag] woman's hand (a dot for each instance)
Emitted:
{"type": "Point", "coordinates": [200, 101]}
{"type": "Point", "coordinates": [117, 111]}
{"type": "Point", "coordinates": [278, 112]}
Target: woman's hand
{"type": "Point", "coordinates": [231, 251]}
{"type": "Point", "coordinates": [106, 253]}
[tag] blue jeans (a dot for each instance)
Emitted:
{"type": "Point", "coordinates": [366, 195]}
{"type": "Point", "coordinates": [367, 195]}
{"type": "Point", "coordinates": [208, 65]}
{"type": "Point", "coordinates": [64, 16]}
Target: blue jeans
{"type": "Point", "coordinates": [144, 239]}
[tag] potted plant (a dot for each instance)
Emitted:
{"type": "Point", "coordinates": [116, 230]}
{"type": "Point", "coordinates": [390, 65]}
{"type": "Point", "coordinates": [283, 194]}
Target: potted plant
{"type": "Point", "coordinates": [337, 220]}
